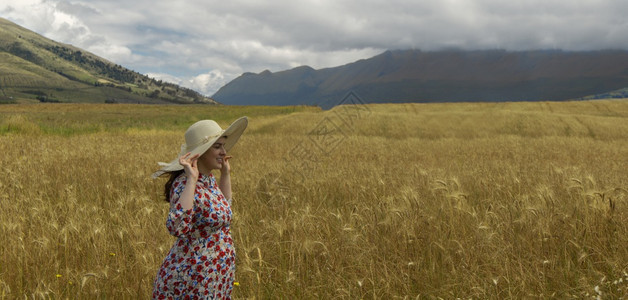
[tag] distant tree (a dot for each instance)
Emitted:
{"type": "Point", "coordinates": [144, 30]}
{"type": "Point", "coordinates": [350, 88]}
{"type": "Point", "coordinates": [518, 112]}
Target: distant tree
{"type": "Point", "coordinates": [154, 94]}
{"type": "Point", "coordinates": [46, 99]}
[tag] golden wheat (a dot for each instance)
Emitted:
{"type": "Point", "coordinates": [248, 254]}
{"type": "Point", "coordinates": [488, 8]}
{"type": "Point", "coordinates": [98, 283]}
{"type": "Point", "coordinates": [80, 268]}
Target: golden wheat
{"type": "Point", "coordinates": [488, 201]}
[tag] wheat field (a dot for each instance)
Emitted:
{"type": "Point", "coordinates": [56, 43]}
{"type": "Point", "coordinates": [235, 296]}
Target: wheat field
{"type": "Point", "coordinates": [388, 201]}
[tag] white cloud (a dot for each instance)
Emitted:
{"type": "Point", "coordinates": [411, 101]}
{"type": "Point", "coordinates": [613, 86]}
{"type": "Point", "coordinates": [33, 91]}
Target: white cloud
{"type": "Point", "coordinates": [48, 18]}
{"type": "Point", "coordinates": [206, 83]}
{"type": "Point", "coordinates": [206, 43]}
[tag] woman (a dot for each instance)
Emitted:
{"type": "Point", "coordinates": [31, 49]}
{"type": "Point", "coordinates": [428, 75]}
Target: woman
{"type": "Point", "coordinates": [201, 263]}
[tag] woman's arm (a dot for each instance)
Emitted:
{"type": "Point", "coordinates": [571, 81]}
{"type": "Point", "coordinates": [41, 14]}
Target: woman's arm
{"type": "Point", "coordinates": [225, 178]}
{"type": "Point", "coordinates": [187, 196]}
{"type": "Point", "coordinates": [179, 221]}
{"type": "Point", "coordinates": [191, 172]}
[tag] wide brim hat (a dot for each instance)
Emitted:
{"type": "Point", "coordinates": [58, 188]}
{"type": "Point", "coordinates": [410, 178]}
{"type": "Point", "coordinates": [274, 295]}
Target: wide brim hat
{"type": "Point", "coordinates": [200, 136]}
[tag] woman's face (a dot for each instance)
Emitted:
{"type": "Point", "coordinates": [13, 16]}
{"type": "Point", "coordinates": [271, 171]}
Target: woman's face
{"type": "Point", "coordinates": [213, 158]}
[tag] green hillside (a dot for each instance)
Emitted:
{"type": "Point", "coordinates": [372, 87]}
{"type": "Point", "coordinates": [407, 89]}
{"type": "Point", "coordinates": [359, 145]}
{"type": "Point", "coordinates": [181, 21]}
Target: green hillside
{"type": "Point", "coordinates": [34, 68]}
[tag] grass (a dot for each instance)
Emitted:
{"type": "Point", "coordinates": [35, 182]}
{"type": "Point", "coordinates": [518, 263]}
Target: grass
{"type": "Point", "coordinates": [488, 201]}
{"type": "Point", "coordinates": [76, 119]}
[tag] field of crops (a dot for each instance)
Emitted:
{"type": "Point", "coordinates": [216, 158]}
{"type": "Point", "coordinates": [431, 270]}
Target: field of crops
{"type": "Point", "coordinates": [482, 201]}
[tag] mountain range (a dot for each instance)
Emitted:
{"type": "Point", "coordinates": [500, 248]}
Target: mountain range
{"type": "Point", "coordinates": [34, 68]}
{"type": "Point", "coordinates": [438, 76]}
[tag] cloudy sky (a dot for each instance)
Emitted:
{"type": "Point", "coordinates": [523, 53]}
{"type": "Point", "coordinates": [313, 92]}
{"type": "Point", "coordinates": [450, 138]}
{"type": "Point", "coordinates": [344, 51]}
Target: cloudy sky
{"type": "Point", "coordinates": [203, 44]}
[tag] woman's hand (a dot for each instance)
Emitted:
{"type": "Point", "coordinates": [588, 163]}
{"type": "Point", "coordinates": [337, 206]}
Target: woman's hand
{"type": "Point", "coordinates": [226, 168]}
{"type": "Point", "coordinates": [225, 177]}
{"type": "Point", "coordinates": [190, 165]}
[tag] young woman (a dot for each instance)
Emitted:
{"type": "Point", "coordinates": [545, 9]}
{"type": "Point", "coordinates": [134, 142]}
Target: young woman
{"type": "Point", "coordinates": [201, 263]}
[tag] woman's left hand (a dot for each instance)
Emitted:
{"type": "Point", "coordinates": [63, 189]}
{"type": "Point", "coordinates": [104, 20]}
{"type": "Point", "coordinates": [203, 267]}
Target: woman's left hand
{"type": "Point", "coordinates": [226, 168]}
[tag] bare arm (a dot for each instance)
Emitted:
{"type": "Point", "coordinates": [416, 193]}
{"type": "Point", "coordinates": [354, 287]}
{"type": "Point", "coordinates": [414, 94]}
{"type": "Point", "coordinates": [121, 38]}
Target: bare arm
{"type": "Point", "coordinates": [191, 172]}
{"type": "Point", "coordinates": [225, 178]}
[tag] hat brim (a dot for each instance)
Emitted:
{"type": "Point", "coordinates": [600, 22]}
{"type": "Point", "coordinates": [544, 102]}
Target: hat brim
{"type": "Point", "coordinates": [233, 133]}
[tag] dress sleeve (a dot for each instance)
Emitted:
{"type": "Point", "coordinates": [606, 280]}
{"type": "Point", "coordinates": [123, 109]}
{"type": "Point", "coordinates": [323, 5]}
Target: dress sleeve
{"type": "Point", "coordinates": [179, 221]}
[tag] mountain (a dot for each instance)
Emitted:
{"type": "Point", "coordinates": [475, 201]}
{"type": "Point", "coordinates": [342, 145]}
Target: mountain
{"type": "Point", "coordinates": [616, 94]}
{"type": "Point", "coordinates": [33, 68]}
{"type": "Point", "coordinates": [438, 76]}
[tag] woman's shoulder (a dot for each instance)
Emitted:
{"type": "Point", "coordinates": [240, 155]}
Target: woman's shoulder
{"type": "Point", "coordinates": [203, 180]}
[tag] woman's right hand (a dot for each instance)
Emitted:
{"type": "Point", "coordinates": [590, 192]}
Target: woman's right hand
{"type": "Point", "coordinates": [190, 165]}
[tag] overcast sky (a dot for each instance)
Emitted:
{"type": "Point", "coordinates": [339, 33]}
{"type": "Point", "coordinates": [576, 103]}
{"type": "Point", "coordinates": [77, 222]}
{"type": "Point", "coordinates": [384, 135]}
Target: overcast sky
{"type": "Point", "coordinates": [204, 44]}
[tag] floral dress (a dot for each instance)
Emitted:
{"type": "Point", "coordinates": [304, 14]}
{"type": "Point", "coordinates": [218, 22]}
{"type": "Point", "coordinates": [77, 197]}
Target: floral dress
{"type": "Point", "coordinates": [201, 263]}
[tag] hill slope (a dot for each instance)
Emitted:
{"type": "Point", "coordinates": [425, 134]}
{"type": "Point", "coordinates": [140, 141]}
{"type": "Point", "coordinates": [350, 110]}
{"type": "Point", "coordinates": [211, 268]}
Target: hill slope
{"type": "Point", "coordinates": [444, 76]}
{"type": "Point", "coordinates": [34, 67]}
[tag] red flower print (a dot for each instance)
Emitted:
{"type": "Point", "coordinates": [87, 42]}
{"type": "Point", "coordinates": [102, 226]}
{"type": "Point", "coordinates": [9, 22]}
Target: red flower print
{"type": "Point", "coordinates": [201, 262]}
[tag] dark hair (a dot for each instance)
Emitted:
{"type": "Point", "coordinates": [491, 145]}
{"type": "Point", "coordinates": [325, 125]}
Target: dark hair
{"type": "Point", "coordinates": [168, 186]}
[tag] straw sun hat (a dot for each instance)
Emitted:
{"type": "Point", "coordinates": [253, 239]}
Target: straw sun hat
{"type": "Point", "coordinates": [202, 135]}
